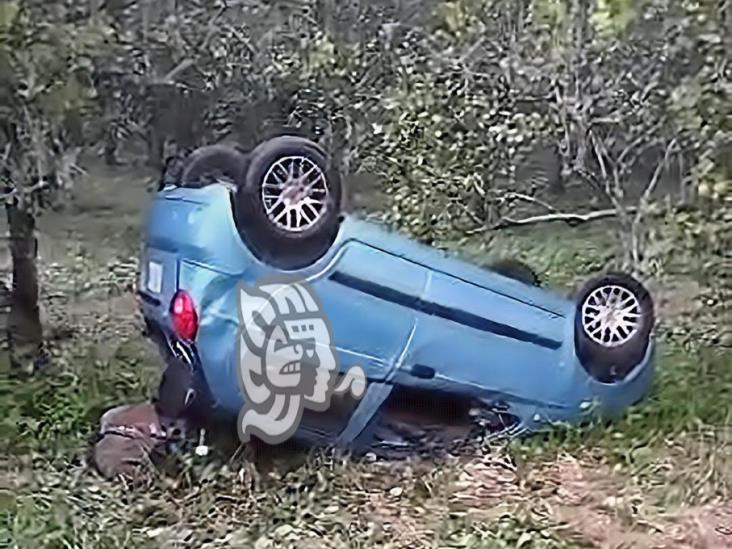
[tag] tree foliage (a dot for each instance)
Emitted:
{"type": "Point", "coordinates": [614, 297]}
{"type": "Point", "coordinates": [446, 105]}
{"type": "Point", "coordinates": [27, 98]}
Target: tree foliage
{"type": "Point", "coordinates": [443, 102]}
{"type": "Point", "coordinates": [46, 61]}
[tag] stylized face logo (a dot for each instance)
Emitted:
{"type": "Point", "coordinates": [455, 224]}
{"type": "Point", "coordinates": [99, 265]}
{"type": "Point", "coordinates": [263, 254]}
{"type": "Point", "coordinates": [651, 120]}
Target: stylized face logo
{"type": "Point", "coordinates": [293, 356]}
{"type": "Point", "coordinates": [284, 360]}
{"type": "Point", "coordinates": [287, 361]}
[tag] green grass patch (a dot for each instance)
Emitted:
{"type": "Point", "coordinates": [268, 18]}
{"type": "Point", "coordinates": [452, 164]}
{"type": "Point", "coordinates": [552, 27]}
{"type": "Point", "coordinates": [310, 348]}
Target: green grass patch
{"type": "Point", "coordinates": [55, 411]}
{"type": "Point", "coordinates": [508, 532]}
{"type": "Point", "coordinates": [559, 254]}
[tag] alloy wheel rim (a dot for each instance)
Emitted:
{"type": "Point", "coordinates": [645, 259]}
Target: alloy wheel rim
{"type": "Point", "coordinates": [611, 315]}
{"type": "Point", "coordinates": [294, 193]}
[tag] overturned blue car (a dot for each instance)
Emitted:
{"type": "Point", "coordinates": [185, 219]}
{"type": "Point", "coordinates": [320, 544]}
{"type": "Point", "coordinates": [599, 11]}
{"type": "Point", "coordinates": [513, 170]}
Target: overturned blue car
{"type": "Point", "coordinates": [409, 326]}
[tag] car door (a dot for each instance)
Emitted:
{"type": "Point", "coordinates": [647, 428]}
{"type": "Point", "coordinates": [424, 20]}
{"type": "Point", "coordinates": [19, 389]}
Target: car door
{"type": "Point", "coordinates": [481, 340]}
{"type": "Point", "coordinates": [366, 295]}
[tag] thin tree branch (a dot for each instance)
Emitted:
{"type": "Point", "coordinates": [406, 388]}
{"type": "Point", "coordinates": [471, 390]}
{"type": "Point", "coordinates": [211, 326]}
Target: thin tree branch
{"type": "Point", "coordinates": [43, 183]}
{"type": "Point", "coordinates": [531, 199]}
{"type": "Point", "coordinates": [572, 219]}
{"type": "Point", "coordinates": [660, 167]}
{"type": "Point", "coordinates": [637, 141]}
{"type": "Point", "coordinates": [6, 154]}
{"type": "Point", "coordinates": [187, 63]}
{"type": "Point", "coordinates": [178, 69]}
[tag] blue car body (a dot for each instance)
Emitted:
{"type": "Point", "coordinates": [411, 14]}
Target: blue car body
{"type": "Point", "coordinates": [408, 314]}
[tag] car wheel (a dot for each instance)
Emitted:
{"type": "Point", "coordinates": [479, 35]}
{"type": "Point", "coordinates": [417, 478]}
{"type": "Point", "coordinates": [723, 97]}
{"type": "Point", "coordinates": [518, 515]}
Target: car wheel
{"type": "Point", "coordinates": [518, 270]}
{"type": "Point", "coordinates": [209, 164]}
{"type": "Point", "coordinates": [613, 323]}
{"type": "Point", "coordinates": [287, 209]}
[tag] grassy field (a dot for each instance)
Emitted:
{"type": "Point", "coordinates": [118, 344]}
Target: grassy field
{"type": "Point", "coordinates": [661, 476]}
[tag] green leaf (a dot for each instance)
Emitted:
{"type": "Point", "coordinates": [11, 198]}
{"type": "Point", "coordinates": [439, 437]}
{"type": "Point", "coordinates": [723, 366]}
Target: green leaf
{"type": "Point", "coordinates": [614, 16]}
{"type": "Point", "coordinates": [8, 14]}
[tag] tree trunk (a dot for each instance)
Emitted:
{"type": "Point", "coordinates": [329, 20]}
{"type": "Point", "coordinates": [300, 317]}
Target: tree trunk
{"type": "Point", "coordinates": [110, 145]}
{"type": "Point", "coordinates": [24, 321]}
{"type": "Point", "coordinates": [155, 146]}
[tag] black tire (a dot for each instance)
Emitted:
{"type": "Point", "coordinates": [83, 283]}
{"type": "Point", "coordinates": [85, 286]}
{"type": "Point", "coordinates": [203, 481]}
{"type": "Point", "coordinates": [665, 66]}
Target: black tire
{"type": "Point", "coordinates": [612, 363]}
{"type": "Point", "coordinates": [274, 244]}
{"type": "Point", "coordinates": [207, 164]}
{"type": "Point", "coordinates": [518, 270]}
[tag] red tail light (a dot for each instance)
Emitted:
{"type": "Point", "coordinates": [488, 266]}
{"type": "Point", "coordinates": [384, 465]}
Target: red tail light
{"type": "Point", "coordinates": [183, 313]}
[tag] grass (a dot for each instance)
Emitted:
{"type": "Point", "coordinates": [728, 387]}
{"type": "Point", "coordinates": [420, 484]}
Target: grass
{"type": "Point", "coordinates": [53, 413]}
{"type": "Point", "coordinates": [559, 254]}
{"type": "Point", "coordinates": [638, 477]}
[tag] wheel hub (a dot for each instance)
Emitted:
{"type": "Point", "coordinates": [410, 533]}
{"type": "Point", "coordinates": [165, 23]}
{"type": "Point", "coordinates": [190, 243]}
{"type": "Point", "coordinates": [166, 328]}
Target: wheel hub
{"type": "Point", "coordinates": [294, 195]}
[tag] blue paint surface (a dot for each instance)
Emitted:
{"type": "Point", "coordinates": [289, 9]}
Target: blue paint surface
{"type": "Point", "coordinates": [398, 308]}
